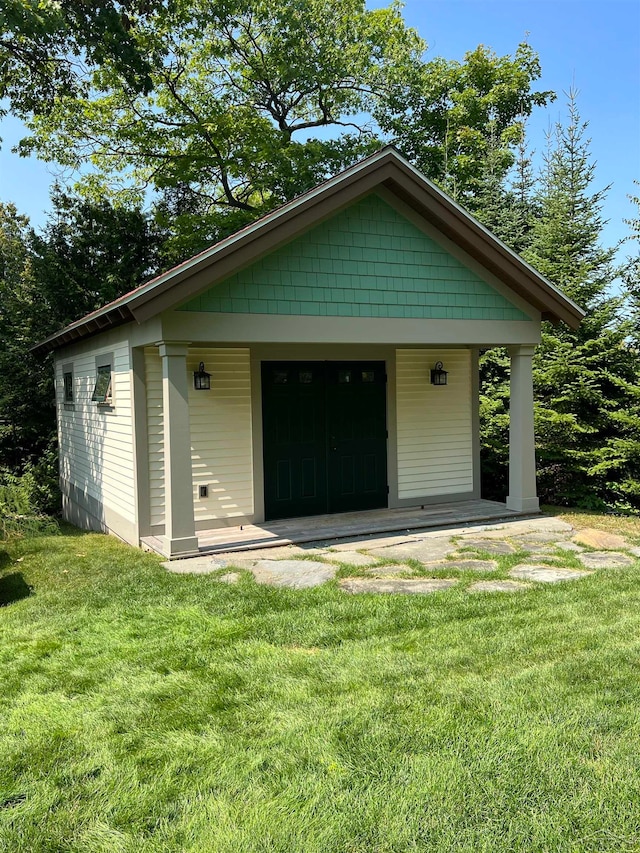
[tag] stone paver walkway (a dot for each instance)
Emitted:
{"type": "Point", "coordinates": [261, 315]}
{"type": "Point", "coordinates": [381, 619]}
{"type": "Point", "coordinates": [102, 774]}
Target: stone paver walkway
{"type": "Point", "coordinates": [418, 562]}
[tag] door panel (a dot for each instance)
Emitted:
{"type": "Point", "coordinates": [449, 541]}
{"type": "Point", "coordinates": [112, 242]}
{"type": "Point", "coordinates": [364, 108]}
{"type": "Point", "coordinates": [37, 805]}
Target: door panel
{"type": "Point", "coordinates": [357, 423]}
{"type": "Point", "coordinates": [324, 437]}
{"type": "Point", "coordinates": [294, 439]}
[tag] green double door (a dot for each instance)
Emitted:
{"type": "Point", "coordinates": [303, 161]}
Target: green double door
{"type": "Point", "coordinates": [325, 437]}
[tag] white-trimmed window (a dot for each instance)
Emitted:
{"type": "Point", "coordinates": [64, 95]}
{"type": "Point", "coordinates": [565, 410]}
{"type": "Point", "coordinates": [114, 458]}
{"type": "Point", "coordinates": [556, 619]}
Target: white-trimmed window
{"type": "Point", "coordinates": [67, 380]}
{"type": "Point", "coordinates": [103, 389]}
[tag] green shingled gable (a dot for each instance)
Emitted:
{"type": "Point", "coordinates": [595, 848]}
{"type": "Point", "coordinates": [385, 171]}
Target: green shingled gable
{"type": "Point", "coordinates": [367, 261]}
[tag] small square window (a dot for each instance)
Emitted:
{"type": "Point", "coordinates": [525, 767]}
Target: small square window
{"type": "Point", "coordinates": [68, 387]}
{"type": "Point", "coordinates": [368, 376]}
{"type": "Point", "coordinates": [344, 376]}
{"type": "Point", "coordinates": [280, 377]}
{"type": "Point", "coordinates": [305, 377]}
{"type": "Point", "coordinates": [102, 390]}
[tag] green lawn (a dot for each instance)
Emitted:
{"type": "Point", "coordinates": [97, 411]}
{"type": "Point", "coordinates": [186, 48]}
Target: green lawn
{"type": "Point", "coordinates": [143, 711]}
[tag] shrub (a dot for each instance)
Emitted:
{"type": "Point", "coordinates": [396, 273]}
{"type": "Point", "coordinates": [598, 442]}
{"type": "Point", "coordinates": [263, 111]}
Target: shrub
{"type": "Point", "coordinates": [23, 501]}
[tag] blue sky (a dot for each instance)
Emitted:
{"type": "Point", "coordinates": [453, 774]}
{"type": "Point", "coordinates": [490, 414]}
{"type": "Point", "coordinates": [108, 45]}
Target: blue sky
{"type": "Point", "coordinates": [594, 46]}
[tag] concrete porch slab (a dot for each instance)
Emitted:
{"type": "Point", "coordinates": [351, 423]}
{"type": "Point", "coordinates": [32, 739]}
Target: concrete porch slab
{"type": "Point", "coordinates": [327, 529]}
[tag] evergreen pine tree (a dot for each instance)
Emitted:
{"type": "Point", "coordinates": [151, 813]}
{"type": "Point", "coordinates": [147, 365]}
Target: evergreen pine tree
{"type": "Point", "coordinates": [587, 399]}
{"type": "Point", "coordinates": [505, 204]}
{"type": "Point", "coordinates": [631, 274]}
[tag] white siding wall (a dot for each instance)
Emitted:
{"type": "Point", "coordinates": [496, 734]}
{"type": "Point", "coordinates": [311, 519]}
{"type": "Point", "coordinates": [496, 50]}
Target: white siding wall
{"type": "Point", "coordinates": [435, 444]}
{"type": "Point", "coordinates": [96, 442]}
{"type": "Point", "coordinates": [221, 441]}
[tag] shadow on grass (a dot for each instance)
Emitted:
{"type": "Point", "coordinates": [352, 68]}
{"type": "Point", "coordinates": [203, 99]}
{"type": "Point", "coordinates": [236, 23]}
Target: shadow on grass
{"type": "Point", "coordinates": [68, 529]}
{"type": "Point", "coordinates": [13, 587]}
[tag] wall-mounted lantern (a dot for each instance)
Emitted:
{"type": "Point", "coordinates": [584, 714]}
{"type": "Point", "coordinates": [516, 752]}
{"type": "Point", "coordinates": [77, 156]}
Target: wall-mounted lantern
{"type": "Point", "coordinates": [438, 375]}
{"type": "Point", "coordinates": [201, 379]}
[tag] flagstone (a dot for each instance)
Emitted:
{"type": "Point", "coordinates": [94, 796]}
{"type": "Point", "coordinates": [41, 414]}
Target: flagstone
{"type": "Point", "coordinates": [600, 539]}
{"type": "Point", "coordinates": [523, 527]}
{"type": "Point", "coordinates": [366, 543]}
{"type": "Point", "coordinates": [606, 560]}
{"type": "Point", "coordinates": [537, 538]}
{"type": "Point", "coordinates": [294, 574]}
{"type": "Point", "coordinates": [396, 585]}
{"type": "Point", "coordinates": [391, 569]}
{"type": "Point", "coordinates": [545, 574]}
{"type": "Point", "coordinates": [491, 546]}
{"type": "Point", "coordinates": [229, 577]}
{"type": "Point", "coordinates": [469, 565]}
{"type": "Point", "coordinates": [539, 550]}
{"type": "Point", "coordinates": [569, 546]}
{"type": "Point", "coordinates": [427, 550]}
{"type": "Point", "coordinates": [278, 552]}
{"type": "Point", "coordinates": [195, 565]}
{"type": "Point", "coordinates": [352, 558]}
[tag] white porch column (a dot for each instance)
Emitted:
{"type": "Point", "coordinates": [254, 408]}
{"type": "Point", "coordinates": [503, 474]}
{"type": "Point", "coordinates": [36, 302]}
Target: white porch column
{"type": "Point", "coordinates": [179, 534]}
{"type": "Point", "coordinates": [522, 456]}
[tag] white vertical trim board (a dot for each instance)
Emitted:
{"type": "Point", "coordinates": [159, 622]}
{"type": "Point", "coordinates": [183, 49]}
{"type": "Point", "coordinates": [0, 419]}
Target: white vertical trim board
{"type": "Point", "coordinates": [435, 435]}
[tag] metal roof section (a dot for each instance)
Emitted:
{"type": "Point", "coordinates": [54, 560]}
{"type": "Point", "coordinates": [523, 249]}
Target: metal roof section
{"type": "Point", "coordinates": [386, 167]}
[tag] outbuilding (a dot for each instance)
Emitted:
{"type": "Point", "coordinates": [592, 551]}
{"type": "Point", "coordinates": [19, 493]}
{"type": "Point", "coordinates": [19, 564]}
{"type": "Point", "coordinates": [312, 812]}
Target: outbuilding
{"type": "Point", "coordinates": [323, 359]}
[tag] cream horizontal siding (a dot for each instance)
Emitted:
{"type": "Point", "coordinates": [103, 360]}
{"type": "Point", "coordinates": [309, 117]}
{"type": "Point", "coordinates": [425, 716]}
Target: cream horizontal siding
{"type": "Point", "coordinates": [221, 442]}
{"type": "Point", "coordinates": [435, 442]}
{"type": "Point", "coordinates": [96, 442]}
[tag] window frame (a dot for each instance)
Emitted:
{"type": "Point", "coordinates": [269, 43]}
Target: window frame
{"type": "Point", "coordinates": [68, 401]}
{"type": "Point", "coordinates": [104, 364]}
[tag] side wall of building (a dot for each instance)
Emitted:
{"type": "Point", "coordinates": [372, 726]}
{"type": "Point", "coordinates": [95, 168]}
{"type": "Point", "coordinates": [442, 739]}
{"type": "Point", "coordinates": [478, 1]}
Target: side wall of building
{"type": "Point", "coordinates": [96, 440]}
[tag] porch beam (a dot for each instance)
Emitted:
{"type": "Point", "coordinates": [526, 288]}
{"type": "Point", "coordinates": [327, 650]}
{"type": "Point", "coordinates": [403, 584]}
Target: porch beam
{"type": "Point", "coordinates": [522, 455]}
{"type": "Point", "coordinates": [179, 534]}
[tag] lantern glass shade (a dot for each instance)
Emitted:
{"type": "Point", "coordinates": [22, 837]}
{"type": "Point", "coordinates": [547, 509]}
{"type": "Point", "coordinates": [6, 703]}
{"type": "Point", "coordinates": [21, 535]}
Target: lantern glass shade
{"type": "Point", "coordinates": [201, 379]}
{"type": "Point", "coordinates": [438, 375]}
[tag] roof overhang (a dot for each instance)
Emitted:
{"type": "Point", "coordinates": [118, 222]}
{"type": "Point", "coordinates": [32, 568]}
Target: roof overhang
{"type": "Point", "coordinates": [385, 168]}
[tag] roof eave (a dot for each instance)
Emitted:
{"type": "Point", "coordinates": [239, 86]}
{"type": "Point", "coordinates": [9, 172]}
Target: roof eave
{"type": "Point", "coordinates": [84, 329]}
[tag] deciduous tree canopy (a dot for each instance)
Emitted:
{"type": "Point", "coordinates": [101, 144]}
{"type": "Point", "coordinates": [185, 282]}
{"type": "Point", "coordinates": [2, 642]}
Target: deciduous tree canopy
{"type": "Point", "coordinates": [47, 48]}
{"type": "Point", "coordinates": [252, 103]}
{"type": "Point", "coordinates": [452, 116]}
{"type": "Point", "coordinates": [238, 89]}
